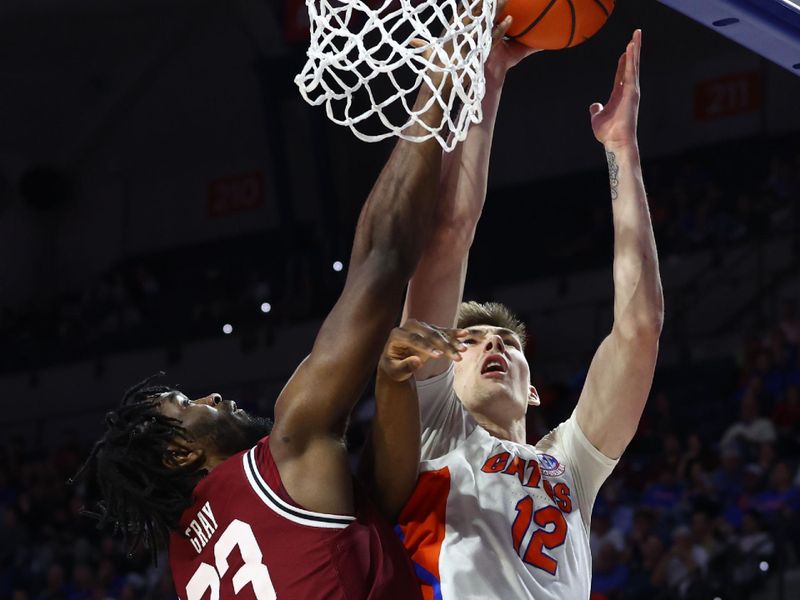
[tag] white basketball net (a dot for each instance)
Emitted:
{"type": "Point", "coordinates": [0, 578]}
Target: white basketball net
{"type": "Point", "coordinates": [362, 66]}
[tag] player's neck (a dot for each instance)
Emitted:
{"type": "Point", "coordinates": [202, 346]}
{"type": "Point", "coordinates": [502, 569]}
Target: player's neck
{"type": "Point", "coordinates": [213, 461]}
{"type": "Point", "coordinates": [512, 430]}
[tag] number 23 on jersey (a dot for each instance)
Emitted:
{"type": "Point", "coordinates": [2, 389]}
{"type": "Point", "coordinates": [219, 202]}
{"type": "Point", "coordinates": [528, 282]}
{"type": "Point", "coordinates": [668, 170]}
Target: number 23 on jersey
{"type": "Point", "coordinates": [207, 578]}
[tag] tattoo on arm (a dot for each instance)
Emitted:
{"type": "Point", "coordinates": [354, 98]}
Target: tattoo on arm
{"type": "Point", "coordinates": [613, 174]}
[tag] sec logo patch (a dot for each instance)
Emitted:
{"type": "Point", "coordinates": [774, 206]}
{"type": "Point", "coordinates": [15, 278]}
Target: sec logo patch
{"type": "Point", "coordinates": [550, 466]}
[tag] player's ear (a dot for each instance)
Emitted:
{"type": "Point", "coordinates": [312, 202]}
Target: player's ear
{"type": "Point", "coordinates": [533, 397]}
{"type": "Point", "coordinates": [181, 455]}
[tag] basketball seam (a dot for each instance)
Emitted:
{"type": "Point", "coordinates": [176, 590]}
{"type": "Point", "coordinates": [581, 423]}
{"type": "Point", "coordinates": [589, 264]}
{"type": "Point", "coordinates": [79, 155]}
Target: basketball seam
{"type": "Point", "coordinates": [572, 28]}
{"type": "Point", "coordinates": [541, 16]}
{"type": "Point", "coordinates": [602, 7]}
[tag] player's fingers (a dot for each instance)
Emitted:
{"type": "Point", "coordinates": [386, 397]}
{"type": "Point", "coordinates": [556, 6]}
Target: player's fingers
{"type": "Point", "coordinates": [401, 370]}
{"type": "Point", "coordinates": [618, 77]}
{"type": "Point", "coordinates": [420, 44]}
{"type": "Point", "coordinates": [440, 341]}
{"type": "Point", "coordinates": [500, 29]}
{"type": "Point", "coordinates": [441, 337]}
{"type": "Point", "coordinates": [622, 65]}
{"type": "Point", "coordinates": [411, 364]}
{"type": "Point", "coordinates": [637, 37]}
{"type": "Point", "coordinates": [403, 342]}
{"type": "Point", "coordinates": [453, 338]}
{"type": "Point", "coordinates": [630, 65]}
{"type": "Point", "coordinates": [426, 346]}
{"type": "Point", "coordinates": [455, 342]}
{"type": "Point", "coordinates": [426, 329]}
{"type": "Point", "coordinates": [631, 87]}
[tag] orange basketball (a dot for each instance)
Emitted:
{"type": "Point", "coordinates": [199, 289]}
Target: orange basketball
{"type": "Point", "coordinates": [556, 24]}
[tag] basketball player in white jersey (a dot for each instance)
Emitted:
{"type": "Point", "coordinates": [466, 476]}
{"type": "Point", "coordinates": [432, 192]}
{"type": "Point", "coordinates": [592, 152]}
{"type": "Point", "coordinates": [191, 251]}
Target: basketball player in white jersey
{"type": "Point", "coordinates": [492, 516]}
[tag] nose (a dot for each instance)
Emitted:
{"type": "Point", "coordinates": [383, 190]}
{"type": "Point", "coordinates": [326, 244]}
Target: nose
{"type": "Point", "coordinates": [494, 342]}
{"type": "Point", "coordinates": [210, 400]}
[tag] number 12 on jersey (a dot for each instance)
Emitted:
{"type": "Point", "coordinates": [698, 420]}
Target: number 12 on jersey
{"type": "Point", "coordinates": [543, 537]}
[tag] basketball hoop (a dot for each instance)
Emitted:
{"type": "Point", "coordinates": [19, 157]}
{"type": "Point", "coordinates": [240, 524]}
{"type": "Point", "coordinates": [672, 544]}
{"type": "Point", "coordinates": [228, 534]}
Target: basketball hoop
{"type": "Point", "coordinates": [362, 66]}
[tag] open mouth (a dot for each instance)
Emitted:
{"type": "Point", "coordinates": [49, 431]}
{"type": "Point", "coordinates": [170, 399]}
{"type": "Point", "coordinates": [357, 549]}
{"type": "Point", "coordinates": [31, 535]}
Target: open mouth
{"type": "Point", "coordinates": [495, 365]}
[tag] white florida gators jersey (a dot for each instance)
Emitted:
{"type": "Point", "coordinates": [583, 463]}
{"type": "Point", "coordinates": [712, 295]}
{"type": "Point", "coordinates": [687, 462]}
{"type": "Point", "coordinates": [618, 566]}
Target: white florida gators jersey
{"type": "Point", "coordinates": [490, 518]}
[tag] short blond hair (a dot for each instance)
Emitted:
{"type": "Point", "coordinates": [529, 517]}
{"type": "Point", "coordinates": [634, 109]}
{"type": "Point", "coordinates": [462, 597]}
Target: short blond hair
{"type": "Point", "coordinates": [493, 314]}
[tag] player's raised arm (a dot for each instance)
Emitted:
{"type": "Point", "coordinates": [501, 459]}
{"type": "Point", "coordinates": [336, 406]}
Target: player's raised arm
{"type": "Point", "coordinates": [435, 291]}
{"type": "Point", "coordinates": [621, 372]}
{"type": "Point", "coordinates": [312, 410]}
{"type": "Point", "coordinates": [390, 460]}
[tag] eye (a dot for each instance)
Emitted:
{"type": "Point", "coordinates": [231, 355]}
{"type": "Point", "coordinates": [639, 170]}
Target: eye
{"type": "Point", "coordinates": [511, 342]}
{"type": "Point", "coordinates": [467, 341]}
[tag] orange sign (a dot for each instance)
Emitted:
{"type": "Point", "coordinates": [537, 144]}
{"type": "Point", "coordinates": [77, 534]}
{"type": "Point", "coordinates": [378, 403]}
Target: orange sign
{"type": "Point", "coordinates": [728, 96]}
{"type": "Point", "coordinates": [235, 194]}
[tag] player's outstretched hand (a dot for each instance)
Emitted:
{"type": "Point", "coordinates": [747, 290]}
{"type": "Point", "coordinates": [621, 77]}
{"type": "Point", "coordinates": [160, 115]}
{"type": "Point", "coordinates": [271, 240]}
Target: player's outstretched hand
{"type": "Point", "coordinates": [412, 345]}
{"type": "Point", "coordinates": [498, 33]}
{"type": "Point", "coordinates": [505, 52]}
{"type": "Point", "coordinates": [614, 124]}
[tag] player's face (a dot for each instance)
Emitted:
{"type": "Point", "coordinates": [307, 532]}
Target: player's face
{"type": "Point", "coordinates": [494, 369]}
{"type": "Point", "coordinates": [218, 424]}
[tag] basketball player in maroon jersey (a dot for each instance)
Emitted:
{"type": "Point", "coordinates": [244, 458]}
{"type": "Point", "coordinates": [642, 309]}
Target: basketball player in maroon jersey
{"type": "Point", "coordinates": [253, 514]}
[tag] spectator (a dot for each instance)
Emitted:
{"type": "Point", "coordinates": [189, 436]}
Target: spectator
{"type": "Point", "coordinates": [641, 579]}
{"type": "Point", "coordinates": [790, 322]}
{"type": "Point", "coordinates": [699, 492]}
{"type": "Point", "coordinates": [781, 498]}
{"type": "Point", "coordinates": [705, 535]}
{"type": "Point", "coordinates": [752, 485]}
{"type": "Point", "coordinates": [753, 546]}
{"type": "Point", "coordinates": [609, 574]}
{"type": "Point", "coordinates": [683, 568]}
{"type": "Point", "coordinates": [611, 498]}
{"type": "Point", "coordinates": [603, 533]}
{"type": "Point", "coordinates": [751, 428]}
{"type": "Point", "coordinates": [665, 493]}
{"type": "Point", "coordinates": [787, 413]}
{"type": "Point", "coordinates": [727, 477]}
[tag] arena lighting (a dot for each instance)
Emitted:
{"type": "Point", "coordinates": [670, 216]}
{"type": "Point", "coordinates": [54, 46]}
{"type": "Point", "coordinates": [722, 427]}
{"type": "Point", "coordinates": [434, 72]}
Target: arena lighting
{"type": "Point", "coordinates": [764, 566]}
{"type": "Point", "coordinates": [227, 329]}
{"type": "Point", "coordinates": [793, 4]}
{"type": "Point", "coordinates": [266, 307]}
{"type": "Point", "coordinates": [770, 28]}
{"type": "Point", "coordinates": [338, 266]}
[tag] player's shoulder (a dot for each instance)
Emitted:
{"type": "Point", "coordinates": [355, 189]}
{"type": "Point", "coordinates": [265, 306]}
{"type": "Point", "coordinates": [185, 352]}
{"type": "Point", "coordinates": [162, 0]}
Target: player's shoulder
{"type": "Point", "coordinates": [554, 438]}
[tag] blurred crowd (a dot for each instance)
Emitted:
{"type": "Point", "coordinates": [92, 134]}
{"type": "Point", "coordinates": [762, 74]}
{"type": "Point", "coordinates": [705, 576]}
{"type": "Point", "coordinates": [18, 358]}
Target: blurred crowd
{"type": "Point", "coordinates": [257, 281]}
{"type": "Point", "coordinates": [706, 503]}
{"type": "Point", "coordinates": [48, 550]}
{"type": "Point", "coordinates": [168, 299]}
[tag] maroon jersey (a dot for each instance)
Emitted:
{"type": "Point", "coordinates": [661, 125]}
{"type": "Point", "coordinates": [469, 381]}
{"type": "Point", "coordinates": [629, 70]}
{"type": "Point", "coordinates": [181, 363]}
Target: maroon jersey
{"type": "Point", "coordinates": [245, 539]}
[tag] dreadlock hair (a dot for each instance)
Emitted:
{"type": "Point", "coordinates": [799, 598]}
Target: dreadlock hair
{"type": "Point", "coordinates": [141, 498]}
{"type": "Point", "coordinates": [471, 314]}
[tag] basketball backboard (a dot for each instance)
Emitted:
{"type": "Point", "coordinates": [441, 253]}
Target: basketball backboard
{"type": "Point", "coordinates": [770, 28]}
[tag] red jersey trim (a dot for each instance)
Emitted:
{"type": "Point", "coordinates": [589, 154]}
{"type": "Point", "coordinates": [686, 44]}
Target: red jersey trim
{"type": "Point", "coordinates": [284, 509]}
